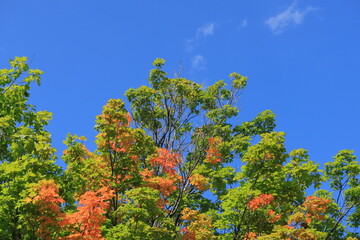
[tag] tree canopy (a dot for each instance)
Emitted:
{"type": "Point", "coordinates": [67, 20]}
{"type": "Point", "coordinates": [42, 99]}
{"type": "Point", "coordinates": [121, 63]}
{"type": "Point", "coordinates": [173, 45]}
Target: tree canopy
{"type": "Point", "coordinates": [165, 169]}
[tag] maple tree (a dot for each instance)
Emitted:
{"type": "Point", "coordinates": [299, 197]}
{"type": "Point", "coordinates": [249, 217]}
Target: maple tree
{"type": "Point", "coordinates": [166, 170]}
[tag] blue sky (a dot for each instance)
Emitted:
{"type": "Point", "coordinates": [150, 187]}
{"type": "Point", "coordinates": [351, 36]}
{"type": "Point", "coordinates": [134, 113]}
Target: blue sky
{"type": "Point", "coordinates": [302, 59]}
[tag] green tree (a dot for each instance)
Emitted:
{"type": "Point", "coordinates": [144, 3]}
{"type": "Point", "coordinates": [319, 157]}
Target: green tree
{"type": "Point", "coordinates": [166, 170]}
{"type": "Point", "coordinates": [26, 155]}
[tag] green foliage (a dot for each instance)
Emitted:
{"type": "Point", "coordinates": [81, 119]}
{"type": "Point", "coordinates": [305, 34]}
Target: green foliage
{"type": "Point", "coordinates": [179, 166]}
{"type": "Point", "coordinates": [26, 155]}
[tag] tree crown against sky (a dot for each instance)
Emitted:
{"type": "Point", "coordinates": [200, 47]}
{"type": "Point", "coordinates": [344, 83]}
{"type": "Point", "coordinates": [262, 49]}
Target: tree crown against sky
{"type": "Point", "coordinates": [166, 170]}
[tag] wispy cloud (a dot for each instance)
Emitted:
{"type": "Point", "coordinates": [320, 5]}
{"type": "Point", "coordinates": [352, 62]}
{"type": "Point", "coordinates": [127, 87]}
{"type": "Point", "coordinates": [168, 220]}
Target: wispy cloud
{"type": "Point", "coordinates": [202, 32]}
{"type": "Point", "coordinates": [243, 23]}
{"type": "Point", "coordinates": [198, 62]}
{"type": "Point", "coordinates": [206, 30]}
{"type": "Point", "coordinates": [291, 15]}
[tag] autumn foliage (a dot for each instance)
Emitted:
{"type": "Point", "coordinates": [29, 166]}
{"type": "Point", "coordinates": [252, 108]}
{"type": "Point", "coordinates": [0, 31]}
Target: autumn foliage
{"type": "Point", "coordinates": [260, 201]}
{"type": "Point", "coordinates": [178, 165]}
{"type": "Point", "coordinates": [48, 201]}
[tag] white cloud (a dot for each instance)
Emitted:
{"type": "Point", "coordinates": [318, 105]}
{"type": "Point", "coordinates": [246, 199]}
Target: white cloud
{"type": "Point", "coordinates": [198, 62]}
{"type": "Point", "coordinates": [206, 30]}
{"type": "Point", "coordinates": [291, 15]}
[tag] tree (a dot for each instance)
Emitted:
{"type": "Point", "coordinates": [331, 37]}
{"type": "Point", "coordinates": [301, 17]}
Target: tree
{"type": "Point", "coordinates": [26, 155]}
{"type": "Point", "coordinates": [166, 170]}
